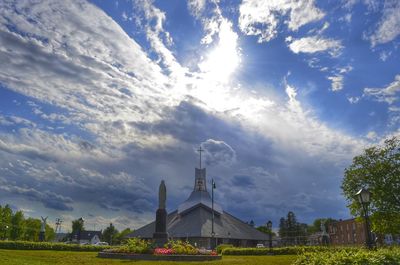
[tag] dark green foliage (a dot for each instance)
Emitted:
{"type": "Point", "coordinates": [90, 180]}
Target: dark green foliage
{"type": "Point", "coordinates": [120, 237]}
{"type": "Point", "coordinates": [109, 234]}
{"type": "Point", "coordinates": [14, 226]}
{"type": "Point", "coordinates": [77, 225]}
{"type": "Point", "coordinates": [26, 245]}
{"type": "Point", "coordinates": [350, 256]}
{"type": "Point", "coordinates": [291, 231]}
{"type": "Point", "coordinates": [378, 170]}
{"type": "Point", "coordinates": [274, 251]}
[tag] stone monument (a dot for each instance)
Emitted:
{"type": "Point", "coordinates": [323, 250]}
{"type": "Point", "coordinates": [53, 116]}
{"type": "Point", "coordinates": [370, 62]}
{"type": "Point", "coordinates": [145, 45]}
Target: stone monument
{"type": "Point", "coordinates": [324, 234]}
{"type": "Point", "coordinates": [161, 236]}
{"type": "Point", "coordinates": [42, 234]}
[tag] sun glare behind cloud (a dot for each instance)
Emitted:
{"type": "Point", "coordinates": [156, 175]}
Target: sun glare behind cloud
{"type": "Point", "coordinates": [222, 61]}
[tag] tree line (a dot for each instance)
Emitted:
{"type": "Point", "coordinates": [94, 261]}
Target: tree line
{"type": "Point", "coordinates": [15, 226]}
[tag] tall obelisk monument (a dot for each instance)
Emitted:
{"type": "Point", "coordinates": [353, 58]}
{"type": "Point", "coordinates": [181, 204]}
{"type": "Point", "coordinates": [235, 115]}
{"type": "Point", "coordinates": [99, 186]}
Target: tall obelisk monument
{"type": "Point", "coordinates": [161, 236]}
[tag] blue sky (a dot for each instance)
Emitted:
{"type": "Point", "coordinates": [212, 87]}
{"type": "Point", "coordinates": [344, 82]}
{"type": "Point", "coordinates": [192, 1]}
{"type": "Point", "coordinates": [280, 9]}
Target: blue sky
{"type": "Point", "coordinates": [100, 100]}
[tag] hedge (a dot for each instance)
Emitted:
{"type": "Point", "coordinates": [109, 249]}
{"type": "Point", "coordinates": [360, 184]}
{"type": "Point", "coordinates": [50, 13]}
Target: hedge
{"type": "Point", "coordinates": [221, 247]}
{"type": "Point", "coordinates": [277, 251]}
{"type": "Point", "coordinates": [384, 256]}
{"type": "Point", "coordinates": [27, 245]}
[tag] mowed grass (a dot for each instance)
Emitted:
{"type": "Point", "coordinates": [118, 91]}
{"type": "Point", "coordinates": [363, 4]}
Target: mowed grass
{"type": "Point", "coordinates": [33, 257]}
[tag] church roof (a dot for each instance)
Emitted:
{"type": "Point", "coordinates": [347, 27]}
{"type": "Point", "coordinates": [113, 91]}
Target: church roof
{"type": "Point", "coordinates": [197, 223]}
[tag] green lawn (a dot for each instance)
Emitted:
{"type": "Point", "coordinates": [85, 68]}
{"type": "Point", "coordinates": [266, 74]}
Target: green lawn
{"type": "Point", "coordinates": [33, 257]}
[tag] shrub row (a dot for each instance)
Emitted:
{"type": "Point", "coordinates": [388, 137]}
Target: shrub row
{"type": "Point", "coordinates": [386, 256]}
{"type": "Point", "coordinates": [278, 251]}
{"type": "Point", "coordinates": [27, 245]}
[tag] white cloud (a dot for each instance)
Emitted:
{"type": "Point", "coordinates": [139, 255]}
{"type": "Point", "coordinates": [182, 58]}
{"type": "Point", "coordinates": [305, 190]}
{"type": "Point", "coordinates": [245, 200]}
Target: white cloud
{"type": "Point", "coordinates": [353, 100]}
{"type": "Point", "coordinates": [316, 44]}
{"type": "Point", "coordinates": [261, 18]}
{"type": "Point", "coordinates": [389, 26]}
{"type": "Point", "coordinates": [387, 94]}
{"type": "Point", "coordinates": [337, 82]}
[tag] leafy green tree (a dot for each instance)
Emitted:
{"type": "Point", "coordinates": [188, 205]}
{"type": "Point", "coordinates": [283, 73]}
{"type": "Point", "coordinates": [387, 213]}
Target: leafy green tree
{"type": "Point", "coordinates": [17, 226]}
{"type": "Point", "coordinates": [5, 222]}
{"type": "Point", "coordinates": [77, 225]}
{"type": "Point", "coordinates": [109, 234]}
{"type": "Point", "coordinates": [120, 237]}
{"type": "Point", "coordinates": [378, 170]}
{"type": "Point", "coordinates": [32, 229]}
{"type": "Point", "coordinates": [50, 233]}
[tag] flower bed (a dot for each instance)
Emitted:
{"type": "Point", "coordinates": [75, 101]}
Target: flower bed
{"type": "Point", "coordinates": [137, 249]}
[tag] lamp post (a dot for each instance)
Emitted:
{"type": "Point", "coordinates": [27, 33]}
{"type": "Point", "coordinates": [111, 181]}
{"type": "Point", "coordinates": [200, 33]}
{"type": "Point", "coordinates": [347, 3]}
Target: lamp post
{"type": "Point", "coordinates": [5, 232]}
{"type": "Point", "coordinates": [363, 197]}
{"type": "Point", "coordinates": [269, 226]}
{"type": "Point", "coordinates": [213, 243]}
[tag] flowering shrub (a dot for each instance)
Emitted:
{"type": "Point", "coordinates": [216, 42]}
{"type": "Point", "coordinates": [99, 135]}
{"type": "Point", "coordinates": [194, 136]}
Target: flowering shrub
{"type": "Point", "coordinates": [133, 245]}
{"type": "Point", "coordinates": [163, 251]}
{"type": "Point", "coordinates": [181, 247]}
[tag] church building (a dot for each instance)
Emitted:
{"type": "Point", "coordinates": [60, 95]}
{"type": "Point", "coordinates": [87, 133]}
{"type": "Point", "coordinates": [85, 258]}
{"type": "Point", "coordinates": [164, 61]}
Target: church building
{"type": "Point", "coordinates": [193, 221]}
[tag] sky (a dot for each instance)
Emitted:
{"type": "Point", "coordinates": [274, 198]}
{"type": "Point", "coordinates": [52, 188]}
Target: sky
{"type": "Point", "coordinates": [101, 100]}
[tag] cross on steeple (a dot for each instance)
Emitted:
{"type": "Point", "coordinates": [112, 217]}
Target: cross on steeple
{"type": "Point", "coordinates": [200, 150]}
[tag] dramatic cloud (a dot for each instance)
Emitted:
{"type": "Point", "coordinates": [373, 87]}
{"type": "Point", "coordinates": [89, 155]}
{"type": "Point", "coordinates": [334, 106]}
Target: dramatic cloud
{"type": "Point", "coordinates": [218, 152]}
{"type": "Point", "coordinates": [261, 18]}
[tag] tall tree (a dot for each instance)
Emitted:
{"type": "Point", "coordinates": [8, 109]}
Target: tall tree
{"type": "Point", "coordinates": [378, 170]}
{"type": "Point", "coordinates": [17, 226]}
{"type": "Point", "coordinates": [5, 222]}
{"type": "Point", "coordinates": [32, 229]}
{"type": "Point", "coordinates": [109, 234]}
{"type": "Point", "coordinates": [77, 225]}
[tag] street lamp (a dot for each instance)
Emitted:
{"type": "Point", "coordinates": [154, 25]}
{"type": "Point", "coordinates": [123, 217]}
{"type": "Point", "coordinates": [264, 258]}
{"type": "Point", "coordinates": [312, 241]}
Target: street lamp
{"type": "Point", "coordinates": [213, 243]}
{"type": "Point", "coordinates": [5, 232]}
{"type": "Point", "coordinates": [363, 197]}
{"type": "Point", "coordinates": [269, 226]}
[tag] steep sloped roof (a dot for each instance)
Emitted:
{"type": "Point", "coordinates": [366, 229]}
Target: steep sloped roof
{"type": "Point", "coordinates": [197, 222]}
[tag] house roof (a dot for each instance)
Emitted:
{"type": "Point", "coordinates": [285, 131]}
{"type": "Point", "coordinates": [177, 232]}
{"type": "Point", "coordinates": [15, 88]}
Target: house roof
{"type": "Point", "coordinates": [197, 223]}
{"type": "Point", "coordinates": [88, 235]}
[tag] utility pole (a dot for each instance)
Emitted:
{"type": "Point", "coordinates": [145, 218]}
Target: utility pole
{"type": "Point", "coordinates": [213, 243]}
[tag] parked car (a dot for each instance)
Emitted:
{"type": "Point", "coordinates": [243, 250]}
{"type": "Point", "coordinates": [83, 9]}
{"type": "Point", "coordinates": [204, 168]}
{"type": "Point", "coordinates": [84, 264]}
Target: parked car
{"type": "Point", "coordinates": [260, 246]}
{"type": "Point", "coordinates": [101, 244]}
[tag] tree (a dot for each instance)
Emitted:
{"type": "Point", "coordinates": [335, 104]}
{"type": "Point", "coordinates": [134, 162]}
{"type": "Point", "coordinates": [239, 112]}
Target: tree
{"type": "Point", "coordinates": [120, 237]}
{"type": "Point", "coordinates": [77, 225]}
{"type": "Point", "coordinates": [17, 226]}
{"type": "Point", "coordinates": [109, 234]}
{"type": "Point", "coordinates": [32, 229]}
{"type": "Point", "coordinates": [5, 222]}
{"type": "Point", "coordinates": [316, 226]}
{"type": "Point", "coordinates": [378, 170]}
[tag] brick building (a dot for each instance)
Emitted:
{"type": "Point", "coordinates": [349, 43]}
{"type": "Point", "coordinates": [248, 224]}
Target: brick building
{"type": "Point", "coordinates": [347, 232]}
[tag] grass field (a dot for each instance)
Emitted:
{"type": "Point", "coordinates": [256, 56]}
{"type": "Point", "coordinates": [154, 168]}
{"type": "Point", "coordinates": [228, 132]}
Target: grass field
{"type": "Point", "coordinates": [33, 257]}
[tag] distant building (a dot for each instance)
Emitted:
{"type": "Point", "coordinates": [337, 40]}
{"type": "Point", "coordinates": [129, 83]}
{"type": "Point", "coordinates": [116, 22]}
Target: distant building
{"type": "Point", "coordinates": [192, 221]}
{"type": "Point", "coordinates": [87, 237]}
{"type": "Point", "coordinates": [347, 232]}
{"type": "Point", "coordinates": [351, 232]}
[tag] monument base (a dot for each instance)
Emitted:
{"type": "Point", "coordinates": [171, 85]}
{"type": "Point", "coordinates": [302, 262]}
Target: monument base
{"type": "Point", "coordinates": [160, 239]}
{"type": "Point", "coordinates": [41, 236]}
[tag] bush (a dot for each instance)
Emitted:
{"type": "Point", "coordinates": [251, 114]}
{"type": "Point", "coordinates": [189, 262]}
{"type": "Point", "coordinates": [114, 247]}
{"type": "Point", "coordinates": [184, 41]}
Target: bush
{"type": "Point", "coordinates": [181, 247]}
{"type": "Point", "coordinates": [222, 247]}
{"type": "Point", "coordinates": [295, 250]}
{"type": "Point", "coordinates": [27, 245]}
{"type": "Point", "coordinates": [385, 256]}
{"type": "Point", "coordinates": [134, 245]}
